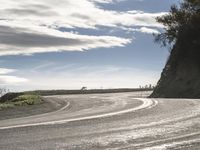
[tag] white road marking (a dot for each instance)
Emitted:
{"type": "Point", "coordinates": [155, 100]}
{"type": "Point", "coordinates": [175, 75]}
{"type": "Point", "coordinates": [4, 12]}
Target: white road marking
{"type": "Point", "coordinates": [44, 114]}
{"type": "Point", "coordinates": [147, 103]}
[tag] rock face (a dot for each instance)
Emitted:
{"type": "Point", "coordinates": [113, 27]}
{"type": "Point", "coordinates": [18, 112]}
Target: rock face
{"type": "Point", "coordinates": [181, 76]}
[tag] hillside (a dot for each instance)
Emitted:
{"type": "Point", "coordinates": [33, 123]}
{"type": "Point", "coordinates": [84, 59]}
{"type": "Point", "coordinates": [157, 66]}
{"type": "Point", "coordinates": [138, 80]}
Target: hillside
{"type": "Point", "coordinates": [181, 76]}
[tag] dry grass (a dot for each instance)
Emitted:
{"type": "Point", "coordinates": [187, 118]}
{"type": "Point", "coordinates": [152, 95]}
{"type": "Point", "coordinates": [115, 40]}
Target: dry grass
{"type": "Point", "coordinates": [21, 101]}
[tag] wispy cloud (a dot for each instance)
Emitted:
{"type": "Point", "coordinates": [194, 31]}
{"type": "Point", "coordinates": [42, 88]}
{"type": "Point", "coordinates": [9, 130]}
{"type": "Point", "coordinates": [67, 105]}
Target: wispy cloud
{"type": "Point", "coordinates": [6, 79]}
{"type": "Point", "coordinates": [148, 30]}
{"type": "Point", "coordinates": [6, 71]}
{"type": "Point", "coordinates": [102, 1]}
{"type": "Point", "coordinates": [76, 76]}
{"type": "Point", "coordinates": [68, 13]}
{"type": "Point", "coordinates": [142, 30]}
{"type": "Point", "coordinates": [28, 27]}
{"type": "Point", "coordinates": [14, 41]}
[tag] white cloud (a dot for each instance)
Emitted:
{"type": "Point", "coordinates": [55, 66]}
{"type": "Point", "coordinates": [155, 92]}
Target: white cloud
{"type": "Point", "coordinates": [6, 71]}
{"type": "Point", "coordinates": [102, 1]}
{"type": "Point", "coordinates": [71, 13]}
{"type": "Point", "coordinates": [16, 41]}
{"type": "Point", "coordinates": [148, 30]}
{"type": "Point", "coordinates": [28, 27]}
{"type": "Point", "coordinates": [9, 79]}
{"type": "Point", "coordinates": [106, 1]}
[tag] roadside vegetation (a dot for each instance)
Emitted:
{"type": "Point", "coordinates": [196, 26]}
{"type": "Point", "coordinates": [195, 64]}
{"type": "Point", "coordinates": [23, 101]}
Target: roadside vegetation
{"type": "Point", "coordinates": [21, 100]}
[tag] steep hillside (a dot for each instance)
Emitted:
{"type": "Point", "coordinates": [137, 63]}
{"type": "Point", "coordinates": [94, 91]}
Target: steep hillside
{"type": "Point", "coordinates": [181, 76]}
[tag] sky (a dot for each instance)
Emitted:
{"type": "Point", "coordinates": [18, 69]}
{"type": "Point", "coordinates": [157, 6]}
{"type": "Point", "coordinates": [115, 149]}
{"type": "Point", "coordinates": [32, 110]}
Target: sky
{"type": "Point", "coordinates": [68, 44]}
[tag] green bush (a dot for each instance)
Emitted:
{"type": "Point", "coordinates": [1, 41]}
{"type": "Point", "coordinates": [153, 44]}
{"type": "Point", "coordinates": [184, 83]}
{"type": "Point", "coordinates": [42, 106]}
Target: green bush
{"type": "Point", "coordinates": [6, 105]}
{"type": "Point", "coordinates": [21, 101]}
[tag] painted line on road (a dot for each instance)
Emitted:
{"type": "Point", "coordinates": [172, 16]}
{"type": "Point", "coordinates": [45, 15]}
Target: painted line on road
{"type": "Point", "coordinates": [44, 114]}
{"type": "Point", "coordinates": [146, 103]}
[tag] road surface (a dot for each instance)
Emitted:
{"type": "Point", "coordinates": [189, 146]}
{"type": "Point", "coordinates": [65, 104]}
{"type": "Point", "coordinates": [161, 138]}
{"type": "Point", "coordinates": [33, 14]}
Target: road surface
{"type": "Point", "coordinates": [107, 121]}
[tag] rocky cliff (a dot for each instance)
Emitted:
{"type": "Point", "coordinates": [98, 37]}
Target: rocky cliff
{"type": "Point", "coordinates": [181, 76]}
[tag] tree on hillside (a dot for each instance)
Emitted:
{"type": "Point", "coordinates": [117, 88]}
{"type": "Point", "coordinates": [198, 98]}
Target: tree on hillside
{"type": "Point", "coordinates": [182, 20]}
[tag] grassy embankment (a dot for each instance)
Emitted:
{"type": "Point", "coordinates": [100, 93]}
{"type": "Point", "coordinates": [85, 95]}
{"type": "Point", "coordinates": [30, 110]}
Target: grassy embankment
{"type": "Point", "coordinates": [21, 100]}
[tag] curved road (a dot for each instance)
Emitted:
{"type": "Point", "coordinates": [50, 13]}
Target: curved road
{"type": "Point", "coordinates": [107, 121]}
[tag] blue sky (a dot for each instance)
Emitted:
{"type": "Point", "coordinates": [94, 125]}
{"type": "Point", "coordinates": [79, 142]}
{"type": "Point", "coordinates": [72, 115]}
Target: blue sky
{"type": "Point", "coordinates": [70, 44]}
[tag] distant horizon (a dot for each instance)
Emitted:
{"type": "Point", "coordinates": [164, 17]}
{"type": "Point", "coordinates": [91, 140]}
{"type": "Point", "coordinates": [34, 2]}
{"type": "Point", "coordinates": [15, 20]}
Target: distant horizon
{"type": "Point", "coordinates": [87, 88]}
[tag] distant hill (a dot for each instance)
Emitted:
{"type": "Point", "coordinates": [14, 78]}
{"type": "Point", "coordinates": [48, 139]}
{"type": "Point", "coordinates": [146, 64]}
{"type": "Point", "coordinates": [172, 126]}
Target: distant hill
{"type": "Point", "coordinates": [89, 91]}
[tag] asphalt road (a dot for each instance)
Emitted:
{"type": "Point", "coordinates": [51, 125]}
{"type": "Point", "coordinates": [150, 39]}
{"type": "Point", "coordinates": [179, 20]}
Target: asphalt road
{"type": "Point", "coordinates": [107, 121]}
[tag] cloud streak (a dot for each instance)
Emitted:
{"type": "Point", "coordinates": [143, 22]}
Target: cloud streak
{"type": "Point", "coordinates": [28, 27]}
{"type": "Point", "coordinates": [14, 41]}
{"type": "Point", "coordinates": [75, 76]}
{"type": "Point", "coordinates": [6, 79]}
{"type": "Point", "coordinates": [68, 13]}
{"type": "Point", "coordinates": [10, 80]}
{"type": "Point", "coordinates": [5, 71]}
